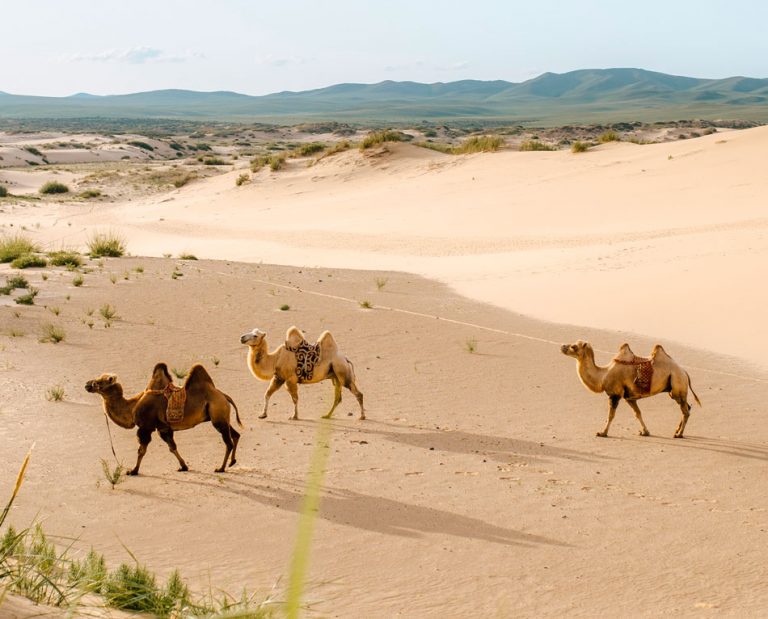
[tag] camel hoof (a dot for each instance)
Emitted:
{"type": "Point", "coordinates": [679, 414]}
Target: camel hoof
{"type": "Point", "coordinates": [644, 433]}
{"type": "Point", "coordinates": [328, 416]}
{"type": "Point", "coordinates": [133, 472]}
{"type": "Point", "coordinates": [231, 464]}
{"type": "Point", "coordinates": [294, 418]}
{"type": "Point", "coordinates": [183, 469]}
{"type": "Point", "coordinates": [601, 434]}
{"type": "Point", "coordinates": [218, 470]}
{"type": "Point", "coordinates": [679, 436]}
{"type": "Point", "coordinates": [362, 417]}
{"type": "Point", "coordinates": [263, 416]}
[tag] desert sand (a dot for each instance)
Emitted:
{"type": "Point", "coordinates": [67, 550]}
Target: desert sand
{"type": "Point", "coordinates": [476, 487]}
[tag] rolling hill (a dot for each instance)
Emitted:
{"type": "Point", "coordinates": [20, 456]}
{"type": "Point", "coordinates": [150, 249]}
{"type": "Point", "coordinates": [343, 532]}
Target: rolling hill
{"type": "Point", "coordinates": [590, 95]}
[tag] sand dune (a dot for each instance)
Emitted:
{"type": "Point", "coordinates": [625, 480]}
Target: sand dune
{"type": "Point", "coordinates": [665, 240]}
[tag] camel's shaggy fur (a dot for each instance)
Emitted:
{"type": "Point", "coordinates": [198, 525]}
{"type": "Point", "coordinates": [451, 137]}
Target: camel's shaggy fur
{"type": "Point", "coordinates": [147, 410]}
{"type": "Point", "coordinates": [279, 368]}
{"type": "Point", "coordinates": [617, 380]}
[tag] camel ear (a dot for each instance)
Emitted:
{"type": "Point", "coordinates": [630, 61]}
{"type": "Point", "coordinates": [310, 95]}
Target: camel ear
{"type": "Point", "coordinates": [111, 378]}
{"type": "Point", "coordinates": [258, 333]}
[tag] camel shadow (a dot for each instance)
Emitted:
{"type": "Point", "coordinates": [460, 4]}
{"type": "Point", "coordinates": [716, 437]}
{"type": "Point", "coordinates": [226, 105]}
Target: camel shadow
{"type": "Point", "coordinates": [739, 449]}
{"type": "Point", "coordinates": [497, 448]}
{"type": "Point", "coordinates": [372, 513]}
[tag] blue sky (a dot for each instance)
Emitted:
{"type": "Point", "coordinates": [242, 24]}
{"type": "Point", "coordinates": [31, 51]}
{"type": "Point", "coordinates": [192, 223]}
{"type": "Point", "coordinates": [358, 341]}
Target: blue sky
{"type": "Point", "coordinates": [52, 47]}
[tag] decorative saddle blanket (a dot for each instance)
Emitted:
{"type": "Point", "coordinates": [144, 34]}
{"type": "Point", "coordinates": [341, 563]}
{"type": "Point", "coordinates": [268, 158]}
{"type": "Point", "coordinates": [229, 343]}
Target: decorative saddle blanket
{"type": "Point", "coordinates": [307, 356]}
{"type": "Point", "coordinates": [177, 397]}
{"type": "Point", "coordinates": [643, 372]}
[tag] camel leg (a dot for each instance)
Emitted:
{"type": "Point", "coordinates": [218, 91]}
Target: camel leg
{"type": "Point", "coordinates": [686, 410]}
{"type": "Point", "coordinates": [167, 436]}
{"type": "Point", "coordinates": [293, 389]}
{"type": "Point", "coordinates": [614, 402]}
{"type": "Point", "coordinates": [274, 385]}
{"type": "Point", "coordinates": [639, 416]}
{"type": "Point", "coordinates": [224, 428]}
{"type": "Point", "coordinates": [359, 395]}
{"type": "Point", "coordinates": [144, 436]}
{"type": "Point", "coordinates": [235, 440]}
{"type": "Point", "coordinates": [336, 395]}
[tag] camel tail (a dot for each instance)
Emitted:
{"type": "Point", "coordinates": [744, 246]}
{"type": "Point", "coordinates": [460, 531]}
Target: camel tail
{"type": "Point", "coordinates": [232, 402]}
{"type": "Point", "coordinates": [690, 386]}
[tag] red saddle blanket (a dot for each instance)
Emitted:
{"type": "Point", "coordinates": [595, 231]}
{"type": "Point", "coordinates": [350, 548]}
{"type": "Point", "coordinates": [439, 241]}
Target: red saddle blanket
{"type": "Point", "coordinates": [643, 372]}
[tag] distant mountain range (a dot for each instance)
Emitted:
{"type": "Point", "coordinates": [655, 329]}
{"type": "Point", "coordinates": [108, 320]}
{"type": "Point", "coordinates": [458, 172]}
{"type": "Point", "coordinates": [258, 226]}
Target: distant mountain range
{"type": "Point", "coordinates": [590, 95]}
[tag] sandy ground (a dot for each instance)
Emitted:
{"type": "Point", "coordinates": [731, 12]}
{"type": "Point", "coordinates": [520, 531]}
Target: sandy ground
{"type": "Point", "coordinates": [477, 486]}
{"type": "Point", "coordinates": [665, 240]}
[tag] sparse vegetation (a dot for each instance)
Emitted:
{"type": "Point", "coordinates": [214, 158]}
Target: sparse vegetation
{"type": "Point", "coordinates": [16, 333]}
{"type": "Point", "coordinates": [470, 345]}
{"type": "Point", "coordinates": [13, 246]}
{"type": "Point", "coordinates": [17, 281]}
{"type": "Point", "coordinates": [140, 144]}
{"type": "Point", "coordinates": [530, 145]}
{"type": "Point", "coordinates": [114, 476]}
{"type": "Point", "coordinates": [29, 261]}
{"type": "Point", "coordinates": [55, 393]}
{"type": "Point", "coordinates": [187, 257]}
{"type": "Point", "coordinates": [310, 149]}
{"type": "Point", "coordinates": [285, 307]}
{"type": "Point", "coordinates": [108, 312]}
{"type": "Point", "coordinates": [88, 194]}
{"type": "Point", "coordinates": [440, 148]}
{"type": "Point", "coordinates": [65, 258]}
{"type": "Point", "coordinates": [179, 372]}
{"type": "Point", "coordinates": [580, 147]}
{"type": "Point", "coordinates": [480, 144]}
{"type": "Point", "coordinates": [337, 148]}
{"type": "Point", "coordinates": [113, 278]}
{"type": "Point", "coordinates": [380, 137]}
{"type": "Point", "coordinates": [609, 136]}
{"type": "Point", "coordinates": [242, 179]}
{"type": "Point", "coordinates": [52, 187]}
{"type": "Point", "coordinates": [27, 299]}
{"type": "Point", "coordinates": [55, 310]}
{"type": "Point", "coordinates": [381, 282]}
{"type": "Point", "coordinates": [214, 161]}
{"type": "Point", "coordinates": [50, 333]}
{"type": "Point", "coordinates": [215, 361]}
{"type": "Point", "coordinates": [139, 269]}
{"type": "Point", "coordinates": [77, 280]}
{"type": "Point", "coordinates": [365, 304]}
{"type": "Point", "coordinates": [109, 244]}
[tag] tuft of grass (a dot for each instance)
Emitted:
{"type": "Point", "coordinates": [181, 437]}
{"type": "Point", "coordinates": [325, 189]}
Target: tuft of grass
{"type": "Point", "coordinates": [65, 258]}
{"type": "Point", "coordinates": [479, 144]}
{"type": "Point", "coordinates": [17, 281]}
{"type": "Point", "coordinates": [381, 282]}
{"type": "Point", "coordinates": [470, 345]}
{"type": "Point", "coordinates": [214, 161]}
{"type": "Point", "coordinates": [27, 299]}
{"type": "Point", "coordinates": [139, 269]}
{"type": "Point", "coordinates": [310, 149]}
{"type": "Point", "coordinates": [113, 278]}
{"type": "Point", "coordinates": [115, 475]}
{"type": "Point", "coordinates": [179, 372]}
{"type": "Point", "coordinates": [365, 304]}
{"type": "Point", "coordinates": [609, 136]}
{"type": "Point", "coordinates": [29, 261]}
{"type": "Point", "coordinates": [16, 333]}
{"type": "Point", "coordinates": [3, 191]}
{"type": "Point", "coordinates": [187, 257]}
{"type": "Point", "coordinates": [530, 145]}
{"type": "Point", "coordinates": [441, 148]}
{"type": "Point", "coordinates": [108, 243]}
{"type": "Point", "coordinates": [285, 307]}
{"type": "Point", "coordinates": [52, 187]}
{"type": "Point", "coordinates": [51, 333]}
{"type": "Point", "coordinates": [215, 361]}
{"type": "Point", "coordinates": [276, 162]}
{"type": "Point", "coordinates": [580, 147]}
{"type": "Point", "coordinates": [55, 310]}
{"type": "Point", "coordinates": [374, 138]}
{"type": "Point", "coordinates": [88, 194]}
{"type": "Point", "coordinates": [339, 147]}
{"type": "Point", "coordinates": [55, 393]}
{"type": "Point", "coordinates": [242, 179]}
{"type": "Point", "coordinates": [13, 246]}
{"type": "Point", "coordinates": [77, 280]}
{"type": "Point", "coordinates": [108, 312]}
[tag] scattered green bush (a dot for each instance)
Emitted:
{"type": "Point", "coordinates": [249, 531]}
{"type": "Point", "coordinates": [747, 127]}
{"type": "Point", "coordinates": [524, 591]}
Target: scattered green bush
{"type": "Point", "coordinates": [109, 244]}
{"type": "Point", "coordinates": [77, 281]}
{"type": "Point", "coordinates": [579, 147]}
{"type": "Point", "coordinates": [55, 393]}
{"type": "Point", "coordinates": [214, 161]}
{"type": "Point", "coordinates": [29, 261]}
{"type": "Point", "coordinates": [17, 281]}
{"type": "Point", "coordinates": [51, 333]}
{"type": "Point", "coordinates": [90, 193]}
{"type": "Point", "coordinates": [54, 187]}
{"type": "Point", "coordinates": [380, 137]}
{"type": "Point", "coordinates": [27, 299]}
{"type": "Point", "coordinates": [65, 258]}
{"type": "Point", "coordinates": [13, 246]}
{"type": "Point", "coordinates": [609, 136]}
{"type": "Point", "coordinates": [242, 179]}
{"type": "Point", "coordinates": [310, 149]}
{"type": "Point", "coordinates": [480, 144]}
{"type": "Point", "coordinates": [187, 257]}
{"type": "Point", "coordinates": [529, 145]}
{"type": "Point", "coordinates": [139, 144]}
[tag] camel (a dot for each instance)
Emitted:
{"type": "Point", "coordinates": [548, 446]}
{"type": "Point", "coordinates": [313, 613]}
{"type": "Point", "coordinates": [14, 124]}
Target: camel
{"type": "Point", "coordinates": [296, 362]}
{"type": "Point", "coordinates": [622, 379]}
{"type": "Point", "coordinates": [147, 410]}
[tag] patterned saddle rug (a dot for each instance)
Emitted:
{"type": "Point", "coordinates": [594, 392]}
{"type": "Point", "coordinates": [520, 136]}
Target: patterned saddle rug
{"type": "Point", "coordinates": [307, 356]}
{"type": "Point", "coordinates": [643, 372]}
{"type": "Point", "coordinates": [177, 398]}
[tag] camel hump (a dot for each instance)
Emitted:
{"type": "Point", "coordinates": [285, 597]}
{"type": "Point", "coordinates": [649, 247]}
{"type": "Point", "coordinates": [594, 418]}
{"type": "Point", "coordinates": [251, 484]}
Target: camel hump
{"type": "Point", "coordinates": [161, 377]}
{"type": "Point", "coordinates": [658, 351]}
{"type": "Point", "coordinates": [625, 353]}
{"type": "Point", "coordinates": [327, 342]}
{"type": "Point", "coordinates": [294, 336]}
{"type": "Point", "coordinates": [197, 375]}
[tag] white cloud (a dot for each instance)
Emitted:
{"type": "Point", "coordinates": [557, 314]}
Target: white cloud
{"type": "Point", "coordinates": [280, 61]}
{"type": "Point", "coordinates": [136, 55]}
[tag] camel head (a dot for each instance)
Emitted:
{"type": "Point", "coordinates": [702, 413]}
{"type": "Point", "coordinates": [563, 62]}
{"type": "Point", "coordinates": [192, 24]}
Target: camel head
{"type": "Point", "coordinates": [253, 338]}
{"type": "Point", "coordinates": [576, 350]}
{"type": "Point", "coordinates": [101, 384]}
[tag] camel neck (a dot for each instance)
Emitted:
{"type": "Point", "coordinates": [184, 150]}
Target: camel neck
{"type": "Point", "coordinates": [591, 374]}
{"type": "Point", "coordinates": [261, 362]}
{"type": "Point", "coordinates": [118, 409]}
